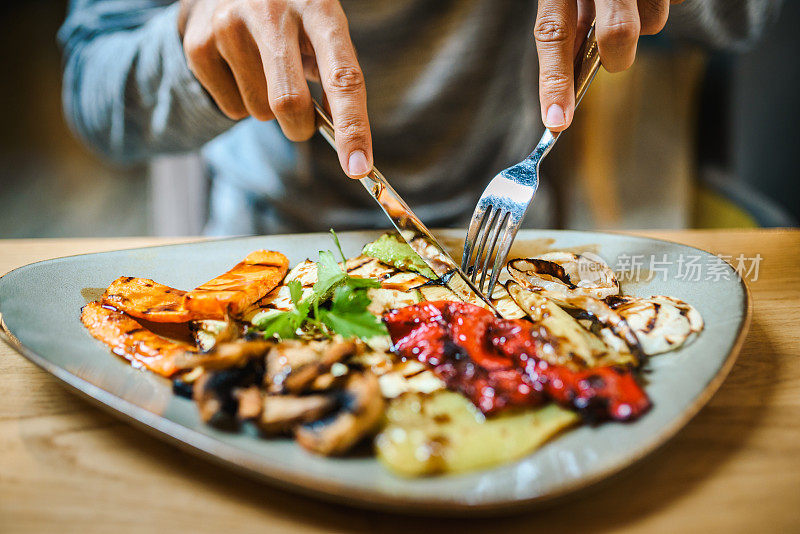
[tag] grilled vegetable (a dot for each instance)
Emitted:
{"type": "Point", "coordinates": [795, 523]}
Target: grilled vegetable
{"type": "Point", "coordinates": [391, 249]}
{"type": "Point", "coordinates": [506, 305]}
{"type": "Point", "coordinates": [360, 411]}
{"type": "Point", "coordinates": [444, 433]}
{"type": "Point", "coordinates": [209, 332]}
{"type": "Point", "coordinates": [129, 339]}
{"type": "Point", "coordinates": [435, 291]}
{"type": "Point", "coordinates": [660, 323]}
{"type": "Point", "coordinates": [293, 366]}
{"type": "Point", "coordinates": [570, 344]}
{"type": "Point", "coordinates": [231, 293]}
{"type": "Point", "coordinates": [561, 274]}
{"type": "Point", "coordinates": [282, 413]}
{"type": "Point", "coordinates": [383, 300]}
{"type": "Point", "coordinates": [146, 299]}
{"type": "Point", "coordinates": [498, 363]}
{"type": "Point", "coordinates": [218, 393]}
{"type": "Point", "coordinates": [223, 356]}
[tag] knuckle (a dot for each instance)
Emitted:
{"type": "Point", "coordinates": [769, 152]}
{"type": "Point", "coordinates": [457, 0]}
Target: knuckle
{"type": "Point", "coordinates": [550, 30]}
{"type": "Point", "coordinates": [274, 11]}
{"type": "Point", "coordinates": [233, 111]}
{"type": "Point", "coordinates": [198, 51]}
{"type": "Point", "coordinates": [325, 8]}
{"type": "Point", "coordinates": [289, 104]}
{"type": "Point", "coordinates": [620, 32]}
{"type": "Point", "coordinates": [254, 98]}
{"type": "Point", "coordinates": [352, 129]}
{"type": "Point", "coordinates": [654, 16]}
{"type": "Point", "coordinates": [346, 79]}
{"type": "Point", "coordinates": [300, 132]}
{"type": "Point", "coordinates": [226, 21]}
{"type": "Point", "coordinates": [554, 82]}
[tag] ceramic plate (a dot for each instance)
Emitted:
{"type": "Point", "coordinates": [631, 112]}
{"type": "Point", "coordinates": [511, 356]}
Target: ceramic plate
{"type": "Point", "coordinates": [40, 306]}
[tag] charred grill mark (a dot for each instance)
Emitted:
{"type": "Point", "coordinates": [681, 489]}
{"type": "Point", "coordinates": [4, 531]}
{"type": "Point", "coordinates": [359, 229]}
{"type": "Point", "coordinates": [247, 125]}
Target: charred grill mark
{"type": "Point", "coordinates": [364, 262]}
{"type": "Point", "coordinates": [162, 308]}
{"type": "Point", "coordinates": [553, 269]}
{"type": "Point", "coordinates": [134, 330]}
{"type": "Point", "coordinates": [651, 322]}
{"type": "Point", "coordinates": [415, 373]}
{"type": "Point", "coordinates": [615, 301]}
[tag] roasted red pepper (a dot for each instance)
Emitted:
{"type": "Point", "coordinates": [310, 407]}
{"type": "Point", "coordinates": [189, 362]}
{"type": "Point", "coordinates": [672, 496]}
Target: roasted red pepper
{"type": "Point", "coordinates": [496, 363]}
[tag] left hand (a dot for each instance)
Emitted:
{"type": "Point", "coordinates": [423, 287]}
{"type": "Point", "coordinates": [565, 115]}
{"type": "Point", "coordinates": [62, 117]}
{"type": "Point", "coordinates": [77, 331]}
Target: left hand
{"type": "Point", "coordinates": [560, 28]}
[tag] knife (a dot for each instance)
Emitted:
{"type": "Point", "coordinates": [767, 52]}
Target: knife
{"type": "Point", "coordinates": [409, 226]}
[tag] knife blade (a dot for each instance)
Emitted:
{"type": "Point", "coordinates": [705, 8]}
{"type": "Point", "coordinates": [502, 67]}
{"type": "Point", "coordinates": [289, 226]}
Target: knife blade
{"type": "Point", "coordinates": [409, 226]}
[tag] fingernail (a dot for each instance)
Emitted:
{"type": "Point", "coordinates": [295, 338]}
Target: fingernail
{"type": "Point", "coordinates": [555, 117]}
{"type": "Point", "coordinates": [357, 164]}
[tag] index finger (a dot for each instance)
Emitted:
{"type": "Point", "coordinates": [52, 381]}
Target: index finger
{"type": "Point", "coordinates": [343, 83]}
{"type": "Point", "coordinates": [554, 32]}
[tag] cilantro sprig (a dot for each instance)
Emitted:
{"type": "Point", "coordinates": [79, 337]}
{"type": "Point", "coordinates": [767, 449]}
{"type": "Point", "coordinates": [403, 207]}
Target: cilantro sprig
{"type": "Point", "coordinates": [337, 305]}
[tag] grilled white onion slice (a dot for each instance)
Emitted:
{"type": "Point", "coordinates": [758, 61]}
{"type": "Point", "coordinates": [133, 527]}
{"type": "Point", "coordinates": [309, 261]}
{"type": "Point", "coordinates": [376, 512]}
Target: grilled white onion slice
{"type": "Point", "coordinates": [563, 274]}
{"type": "Point", "coordinates": [661, 323]}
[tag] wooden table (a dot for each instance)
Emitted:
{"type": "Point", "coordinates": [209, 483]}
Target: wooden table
{"type": "Point", "coordinates": [67, 466]}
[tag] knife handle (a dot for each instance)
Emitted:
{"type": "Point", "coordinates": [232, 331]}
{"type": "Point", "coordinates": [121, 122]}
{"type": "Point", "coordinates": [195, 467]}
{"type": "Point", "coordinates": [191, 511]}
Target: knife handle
{"type": "Point", "coordinates": [324, 124]}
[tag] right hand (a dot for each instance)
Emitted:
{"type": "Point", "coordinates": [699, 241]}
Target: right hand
{"type": "Point", "coordinates": [254, 57]}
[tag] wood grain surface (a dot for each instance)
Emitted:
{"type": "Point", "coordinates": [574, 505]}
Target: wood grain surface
{"type": "Point", "coordinates": [66, 466]}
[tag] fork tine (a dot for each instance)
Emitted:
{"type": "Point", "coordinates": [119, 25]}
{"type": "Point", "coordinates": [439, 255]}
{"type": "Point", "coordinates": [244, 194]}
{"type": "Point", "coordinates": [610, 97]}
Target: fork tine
{"type": "Point", "coordinates": [502, 254]}
{"type": "Point", "coordinates": [498, 224]}
{"type": "Point", "coordinates": [491, 217]}
{"type": "Point", "coordinates": [478, 222]}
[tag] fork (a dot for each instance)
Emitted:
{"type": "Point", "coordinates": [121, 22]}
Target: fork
{"type": "Point", "coordinates": [505, 200]}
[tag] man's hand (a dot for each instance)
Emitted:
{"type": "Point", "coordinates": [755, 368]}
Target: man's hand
{"type": "Point", "coordinates": [254, 57]}
{"type": "Point", "coordinates": [560, 28]}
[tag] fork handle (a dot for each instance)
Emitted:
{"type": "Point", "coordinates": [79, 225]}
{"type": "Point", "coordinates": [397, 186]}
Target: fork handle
{"type": "Point", "coordinates": [587, 63]}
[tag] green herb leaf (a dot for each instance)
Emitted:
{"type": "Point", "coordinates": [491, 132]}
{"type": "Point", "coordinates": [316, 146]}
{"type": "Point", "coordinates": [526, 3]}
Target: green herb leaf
{"type": "Point", "coordinates": [295, 291]}
{"type": "Point", "coordinates": [338, 245]}
{"type": "Point", "coordinates": [362, 324]}
{"type": "Point", "coordinates": [285, 324]}
{"type": "Point", "coordinates": [337, 305]}
{"type": "Point", "coordinates": [282, 324]}
{"type": "Point", "coordinates": [392, 250]}
{"type": "Point", "coordinates": [329, 275]}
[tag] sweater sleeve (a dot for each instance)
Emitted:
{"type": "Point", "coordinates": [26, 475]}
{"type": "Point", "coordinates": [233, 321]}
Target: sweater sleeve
{"type": "Point", "coordinates": [722, 24]}
{"type": "Point", "coordinates": [127, 90]}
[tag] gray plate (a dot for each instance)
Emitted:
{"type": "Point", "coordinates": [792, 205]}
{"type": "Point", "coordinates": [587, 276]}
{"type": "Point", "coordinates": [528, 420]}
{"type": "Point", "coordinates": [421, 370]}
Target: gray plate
{"type": "Point", "coordinates": [40, 306]}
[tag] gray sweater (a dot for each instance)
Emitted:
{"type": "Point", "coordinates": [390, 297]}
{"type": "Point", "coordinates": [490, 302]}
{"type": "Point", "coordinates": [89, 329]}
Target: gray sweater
{"type": "Point", "coordinates": [452, 99]}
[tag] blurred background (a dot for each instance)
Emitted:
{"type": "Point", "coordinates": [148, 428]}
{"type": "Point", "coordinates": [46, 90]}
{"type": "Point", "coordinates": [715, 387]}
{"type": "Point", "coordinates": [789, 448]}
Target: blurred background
{"type": "Point", "coordinates": [687, 138]}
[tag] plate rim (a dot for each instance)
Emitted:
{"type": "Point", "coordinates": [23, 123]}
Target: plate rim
{"type": "Point", "coordinates": [203, 445]}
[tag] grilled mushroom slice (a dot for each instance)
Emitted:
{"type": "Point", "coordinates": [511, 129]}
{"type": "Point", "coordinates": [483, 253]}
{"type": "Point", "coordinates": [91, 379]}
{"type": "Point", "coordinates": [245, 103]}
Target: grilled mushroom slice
{"type": "Point", "coordinates": [250, 402]}
{"type": "Point", "coordinates": [214, 392]}
{"type": "Point", "coordinates": [360, 411]}
{"type": "Point", "coordinates": [293, 365]}
{"type": "Point", "coordinates": [562, 274]}
{"type": "Point", "coordinates": [223, 356]}
{"type": "Point", "coordinates": [281, 413]}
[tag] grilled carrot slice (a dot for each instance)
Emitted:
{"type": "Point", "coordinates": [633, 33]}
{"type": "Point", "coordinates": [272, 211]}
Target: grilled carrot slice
{"type": "Point", "coordinates": [129, 339]}
{"type": "Point", "coordinates": [146, 299]}
{"type": "Point", "coordinates": [231, 293]}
